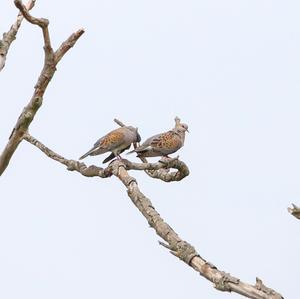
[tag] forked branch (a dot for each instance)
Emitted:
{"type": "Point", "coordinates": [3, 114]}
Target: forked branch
{"type": "Point", "coordinates": [161, 170]}
{"type": "Point", "coordinates": [49, 68]}
{"type": "Point", "coordinates": [10, 36]}
{"type": "Point", "coordinates": [178, 247]}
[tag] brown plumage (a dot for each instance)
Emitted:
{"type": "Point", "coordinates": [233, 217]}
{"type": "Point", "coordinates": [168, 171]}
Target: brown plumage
{"type": "Point", "coordinates": [115, 142]}
{"type": "Point", "coordinates": [165, 143]}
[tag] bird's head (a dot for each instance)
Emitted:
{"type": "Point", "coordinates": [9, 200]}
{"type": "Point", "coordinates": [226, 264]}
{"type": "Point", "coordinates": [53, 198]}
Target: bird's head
{"type": "Point", "coordinates": [180, 127]}
{"type": "Point", "coordinates": [183, 127]}
{"type": "Point", "coordinates": [135, 130]}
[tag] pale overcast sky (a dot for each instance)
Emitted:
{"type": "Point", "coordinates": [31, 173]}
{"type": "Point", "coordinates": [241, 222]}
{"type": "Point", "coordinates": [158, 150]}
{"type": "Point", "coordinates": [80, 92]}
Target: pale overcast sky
{"type": "Point", "coordinates": [231, 71]}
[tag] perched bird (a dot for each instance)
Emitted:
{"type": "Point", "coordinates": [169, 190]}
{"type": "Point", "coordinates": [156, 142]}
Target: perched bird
{"type": "Point", "coordinates": [116, 142]}
{"type": "Point", "coordinates": [165, 143]}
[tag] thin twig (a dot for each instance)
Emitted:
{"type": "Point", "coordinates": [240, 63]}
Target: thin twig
{"type": "Point", "coordinates": [67, 45]}
{"type": "Point", "coordinates": [41, 22]}
{"type": "Point", "coordinates": [10, 36]}
{"type": "Point", "coordinates": [72, 165]}
{"type": "Point", "coordinates": [119, 122]}
{"type": "Point", "coordinates": [295, 211]}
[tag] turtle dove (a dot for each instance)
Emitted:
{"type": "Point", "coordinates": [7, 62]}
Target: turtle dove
{"type": "Point", "coordinates": [165, 143]}
{"type": "Point", "coordinates": [116, 142]}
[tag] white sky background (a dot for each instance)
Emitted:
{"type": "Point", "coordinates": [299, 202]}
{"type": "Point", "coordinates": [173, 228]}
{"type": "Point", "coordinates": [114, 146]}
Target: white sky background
{"type": "Point", "coordinates": [230, 70]}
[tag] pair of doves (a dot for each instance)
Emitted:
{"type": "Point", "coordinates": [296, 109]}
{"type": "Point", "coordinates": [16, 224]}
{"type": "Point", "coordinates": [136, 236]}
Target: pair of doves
{"type": "Point", "coordinates": [119, 140]}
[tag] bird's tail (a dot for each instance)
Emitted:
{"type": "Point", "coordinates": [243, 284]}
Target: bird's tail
{"type": "Point", "coordinates": [131, 152]}
{"type": "Point", "coordinates": [110, 157]}
{"type": "Point", "coordinates": [84, 156]}
{"type": "Point", "coordinates": [87, 154]}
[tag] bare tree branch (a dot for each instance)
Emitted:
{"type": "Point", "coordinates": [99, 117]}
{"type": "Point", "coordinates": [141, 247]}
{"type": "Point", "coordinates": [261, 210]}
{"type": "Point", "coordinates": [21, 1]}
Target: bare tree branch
{"type": "Point", "coordinates": [10, 36]}
{"type": "Point", "coordinates": [183, 250]}
{"type": "Point", "coordinates": [295, 211]}
{"type": "Point", "coordinates": [67, 45]}
{"type": "Point", "coordinates": [178, 247]}
{"type": "Point", "coordinates": [43, 23]}
{"type": "Point", "coordinates": [72, 165]}
{"type": "Point", "coordinates": [161, 170]}
{"type": "Point", "coordinates": [93, 170]}
{"type": "Point", "coordinates": [49, 68]}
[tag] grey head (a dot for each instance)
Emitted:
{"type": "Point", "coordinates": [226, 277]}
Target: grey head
{"type": "Point", "coordinates": [165, 143]}
{"type": "Point", "coordinates": [180, 127]}
{"type": "Point", "coordinates": [135, 131]}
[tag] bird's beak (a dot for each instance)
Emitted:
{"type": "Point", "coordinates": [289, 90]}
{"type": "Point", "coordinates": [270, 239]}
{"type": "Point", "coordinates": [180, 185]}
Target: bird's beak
{"type": "Point", "coordinates": [187, 130]}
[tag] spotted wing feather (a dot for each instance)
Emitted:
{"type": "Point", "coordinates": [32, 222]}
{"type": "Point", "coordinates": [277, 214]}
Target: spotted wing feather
{"type": "Point", "coordinates": [160, 145]}
{"type": "Point", "coordinates": [105, 144]}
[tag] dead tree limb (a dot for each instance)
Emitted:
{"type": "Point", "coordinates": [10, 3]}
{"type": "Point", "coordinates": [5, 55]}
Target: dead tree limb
{"type": "Point", "coordinates": [10, 36]}
{"type": "Point", "coordinates": [161, 170]}
{"type": "Point", "coordinates": [295, 211]}
{"type": "Point", "coordinates": [181, 249]}
{"type": "Point", "coordinates": [93, 170]}
{"type": "Point", "coordinates": [49, 68]}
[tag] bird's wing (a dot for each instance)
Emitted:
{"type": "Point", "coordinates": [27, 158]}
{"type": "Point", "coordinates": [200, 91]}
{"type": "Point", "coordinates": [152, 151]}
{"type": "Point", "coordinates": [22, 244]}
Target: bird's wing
{"type": "Point", "coordinates": [146, 145]}
{"type": "Point", "coordinates": [112, 140]}
{"type": "Point", "coordinates": [166, 142]}
{"type": "Point", "coordinates": [107, 143]}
